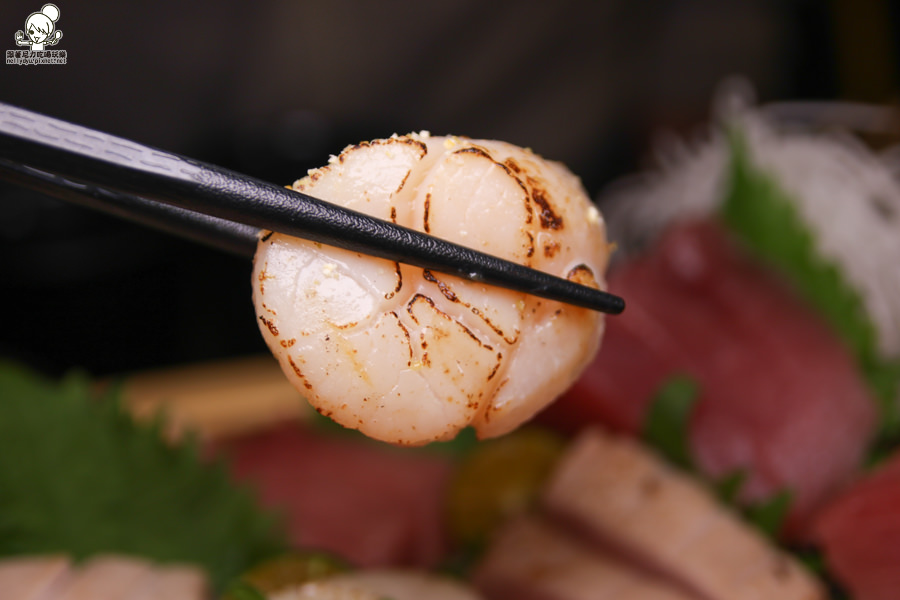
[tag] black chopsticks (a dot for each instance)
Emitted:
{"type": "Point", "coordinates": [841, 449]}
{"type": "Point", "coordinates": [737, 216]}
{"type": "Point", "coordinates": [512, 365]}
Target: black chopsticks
{"type": "Point", "coordinates": [217, 206]}
{"type": "Point", "coordinates": [228, 236]}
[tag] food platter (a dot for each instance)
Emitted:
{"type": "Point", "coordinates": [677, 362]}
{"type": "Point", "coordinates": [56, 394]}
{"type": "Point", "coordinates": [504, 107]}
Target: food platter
{"type": "Point", "coordinates": [735, 436]}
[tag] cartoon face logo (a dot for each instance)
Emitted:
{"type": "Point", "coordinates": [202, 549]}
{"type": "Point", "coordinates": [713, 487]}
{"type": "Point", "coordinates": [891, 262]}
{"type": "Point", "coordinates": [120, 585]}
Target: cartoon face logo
{"type": "Point", "coordinates": [40, 27]}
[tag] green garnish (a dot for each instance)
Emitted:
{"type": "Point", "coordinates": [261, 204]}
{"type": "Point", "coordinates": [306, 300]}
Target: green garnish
{"type": "Point", "coordinates": [762, 214]}
{"type": "Point", "coordinates": [667, 420]}
{"type": "Point", "coordinates": [727, 488]}
{"type": "Point", "coordinates": [769, 515]}
{"type": "Point", "coordinates": [79, 476]}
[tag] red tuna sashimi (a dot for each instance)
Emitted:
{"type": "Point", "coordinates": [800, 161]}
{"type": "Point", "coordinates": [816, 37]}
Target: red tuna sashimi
{"type": "Point", "coordinates": [780, 395]}
{"type": "Point", "coordinates": [860, 535]}
{"type": "Point", "coordinates": [366, 502]}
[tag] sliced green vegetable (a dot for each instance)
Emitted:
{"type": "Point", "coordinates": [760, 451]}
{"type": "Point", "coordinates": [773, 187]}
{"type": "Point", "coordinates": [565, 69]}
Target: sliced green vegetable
{"type": "Point", "coordinates": [762, 214]}
{"type": "Point", "coordinates": [79, 476]}
{"type": "Point", "coordinates": [668, 419]}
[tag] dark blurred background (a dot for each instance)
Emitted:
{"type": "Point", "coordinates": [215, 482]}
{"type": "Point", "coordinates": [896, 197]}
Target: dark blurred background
{"type": "Point", "coordinates": [271, 88]}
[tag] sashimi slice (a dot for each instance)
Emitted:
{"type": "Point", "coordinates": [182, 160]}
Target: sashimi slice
{"type": "Point", "coordinates": [31, 577]}
{"type": "Point", "coordinates": [366, 502]}
{"type": "Point", "coordinates": [617, 494]}
{"type": "Point", "coordinates": [105, 577]}
{"type": "Point", "coordinates": [530, 559]}
{"type": "Point", "coordinates": [805, 406]}
{"type": "Point", "coordinates": [172, 582]}
{"type": "Point", "coordinates": [618, 391]}
{"type": "Point", "coordinates": [860, 535]}
{"type": "Point", "coordinates": [780, 397]}
{"type": "Point", "coordinates": [111, 577]}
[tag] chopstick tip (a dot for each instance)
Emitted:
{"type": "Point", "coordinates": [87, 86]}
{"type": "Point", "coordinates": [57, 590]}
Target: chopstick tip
{"type": "Point", "coordinates": [616, 305]}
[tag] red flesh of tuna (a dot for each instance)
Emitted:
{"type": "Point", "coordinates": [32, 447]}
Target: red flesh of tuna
{"type": "Point", "coordinates": [780, 395]}
{"type": "Point", "coordinates": [860, 535]}
{"type": "Point", "coordinates": [368, 503]}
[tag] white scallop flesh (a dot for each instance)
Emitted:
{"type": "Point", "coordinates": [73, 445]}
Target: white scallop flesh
{"type": "Point", "coordinates": [410, 356]}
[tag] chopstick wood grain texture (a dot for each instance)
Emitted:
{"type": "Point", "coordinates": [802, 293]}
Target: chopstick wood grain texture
{"type": "Point", "coordinates": [85, 155]}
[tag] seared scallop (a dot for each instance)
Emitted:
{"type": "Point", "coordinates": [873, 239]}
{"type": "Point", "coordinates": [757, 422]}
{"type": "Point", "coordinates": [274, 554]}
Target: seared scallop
{"type": "Point", "coordinates": [411, 356]}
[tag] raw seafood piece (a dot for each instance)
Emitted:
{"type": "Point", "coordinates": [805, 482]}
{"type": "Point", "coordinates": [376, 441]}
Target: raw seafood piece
{"type": "Point", "coordinates": [31, 577]}
{"type": "Point", "coordinates": [110, 577]}
{"type": "Point", "coordinates": [106, 577]}
{"type": "Point", "coordinates": [859, 533]}
{"type": "Point", "coordinates": [409, 356]}
{"type": "Point", "coordinates": [364, 502]}
{"type": "Point", "coordinates": [780, 397]}
{"type": "Point", "coordinates": [617, 494]}
{"type": "Point", "coordinates": [531, 560]}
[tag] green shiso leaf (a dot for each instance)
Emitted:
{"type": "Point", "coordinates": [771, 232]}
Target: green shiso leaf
{"type": "Point", "coordinates": [79, 476]}
{"type": "Point", "coordinates": [667, 420]}
{"type": "Point", "coordinates": [762, 214]}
